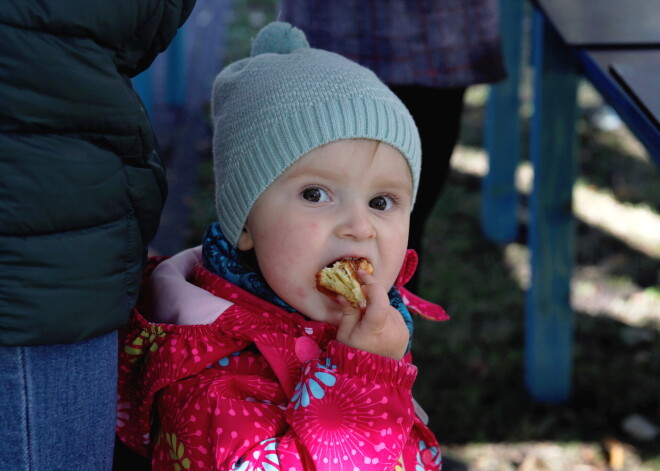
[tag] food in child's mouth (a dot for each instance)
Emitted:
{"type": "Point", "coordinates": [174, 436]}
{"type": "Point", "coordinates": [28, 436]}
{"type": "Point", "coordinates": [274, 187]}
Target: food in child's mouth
{"type": "Point", "coordinates": [341, 278]}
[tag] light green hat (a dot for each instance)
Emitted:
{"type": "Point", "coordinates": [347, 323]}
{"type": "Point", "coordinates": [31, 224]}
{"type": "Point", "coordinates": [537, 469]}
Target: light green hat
{"type": "Point", "coordinates": [285, 100]}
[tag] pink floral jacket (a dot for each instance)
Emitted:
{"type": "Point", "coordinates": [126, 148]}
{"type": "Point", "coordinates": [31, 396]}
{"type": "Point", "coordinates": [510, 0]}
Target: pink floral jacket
{"type": "Point", "coordinates": [262, 388]}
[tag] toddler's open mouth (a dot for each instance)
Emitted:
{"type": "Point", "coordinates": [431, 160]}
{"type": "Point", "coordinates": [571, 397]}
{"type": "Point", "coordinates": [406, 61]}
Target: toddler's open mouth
{"type": "Point", "coordinates": [352, 259]}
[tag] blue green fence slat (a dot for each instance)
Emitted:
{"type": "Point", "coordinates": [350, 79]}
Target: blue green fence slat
{"type": "Point", "coordinates": [499, 203]}
{"type": "Point", "coordinates": [549, 318]}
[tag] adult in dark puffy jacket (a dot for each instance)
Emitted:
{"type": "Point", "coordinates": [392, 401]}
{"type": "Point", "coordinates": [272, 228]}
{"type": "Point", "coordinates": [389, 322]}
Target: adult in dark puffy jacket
{"type": "Point", "coordinates": [81, 190]}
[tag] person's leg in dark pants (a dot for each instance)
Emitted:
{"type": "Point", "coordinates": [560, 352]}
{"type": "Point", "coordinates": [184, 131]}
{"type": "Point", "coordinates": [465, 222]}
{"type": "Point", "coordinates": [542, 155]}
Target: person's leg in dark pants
{"type": "Point", "coordinates": [437, 113]}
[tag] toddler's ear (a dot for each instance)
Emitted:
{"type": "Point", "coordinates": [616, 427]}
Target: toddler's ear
{"type": "Point", "coordinates": [245, 242]}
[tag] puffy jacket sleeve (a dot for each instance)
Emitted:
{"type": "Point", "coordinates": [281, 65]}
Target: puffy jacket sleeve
{"type": "Point", "coordinates": [154, 35]}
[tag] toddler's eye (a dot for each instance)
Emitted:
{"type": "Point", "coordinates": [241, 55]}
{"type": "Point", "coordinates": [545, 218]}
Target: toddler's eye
{"type": "Point", "coordinates": [381, 203]}
{"type": "Point", "coordinates": [315, 195]}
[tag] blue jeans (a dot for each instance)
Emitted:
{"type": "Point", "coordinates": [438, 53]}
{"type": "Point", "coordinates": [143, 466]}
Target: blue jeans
{"type": "Point", "coordinates": [58, 406]}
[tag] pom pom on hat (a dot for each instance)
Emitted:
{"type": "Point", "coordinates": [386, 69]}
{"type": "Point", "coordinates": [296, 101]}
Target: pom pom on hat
{"type": "Point", "coordinates": [278, 38]}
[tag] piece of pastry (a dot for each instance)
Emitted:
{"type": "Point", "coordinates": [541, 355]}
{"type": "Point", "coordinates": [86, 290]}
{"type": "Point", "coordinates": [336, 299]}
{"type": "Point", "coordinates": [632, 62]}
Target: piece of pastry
{"type": "Point", "coordinates": [341, 278]}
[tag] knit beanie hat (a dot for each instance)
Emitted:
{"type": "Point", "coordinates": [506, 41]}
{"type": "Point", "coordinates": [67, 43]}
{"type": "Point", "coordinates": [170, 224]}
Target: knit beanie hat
{"type": "Point", "coordinates": [285, 100]}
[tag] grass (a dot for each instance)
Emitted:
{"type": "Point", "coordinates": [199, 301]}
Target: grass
{"type": "Point", "coordinates": [471, 368]}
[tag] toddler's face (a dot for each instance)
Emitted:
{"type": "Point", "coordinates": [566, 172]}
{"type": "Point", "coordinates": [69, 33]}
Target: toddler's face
{"type": "Point", "coordinates": [349, 198]}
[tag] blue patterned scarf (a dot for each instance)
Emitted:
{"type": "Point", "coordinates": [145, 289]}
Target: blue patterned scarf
{"type": "Point", "coordinates": [223, 259]}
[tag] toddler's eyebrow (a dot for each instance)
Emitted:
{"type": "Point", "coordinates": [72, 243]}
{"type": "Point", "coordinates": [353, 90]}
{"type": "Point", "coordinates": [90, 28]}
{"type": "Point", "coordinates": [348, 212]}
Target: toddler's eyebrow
{"type": "Point", "coordinates": [396, 186]}
{"type": "Point", "coordinates": [386, 183]}
{"type": "Point", "coordinates": [397, 183]}
{"type": "Point", "coordinates": [312, 173]}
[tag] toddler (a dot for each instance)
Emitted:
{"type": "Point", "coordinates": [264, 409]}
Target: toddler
{"type": "Point", "coordinates": [253, 367]}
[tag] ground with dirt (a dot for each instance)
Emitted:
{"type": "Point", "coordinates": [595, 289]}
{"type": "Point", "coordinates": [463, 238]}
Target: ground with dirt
{"type": "Point", "coordinates": [471, 368]}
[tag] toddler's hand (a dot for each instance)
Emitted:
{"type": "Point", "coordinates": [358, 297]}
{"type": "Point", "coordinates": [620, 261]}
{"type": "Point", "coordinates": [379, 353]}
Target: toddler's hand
{"type": "Point", "coordinates": [380, 329]}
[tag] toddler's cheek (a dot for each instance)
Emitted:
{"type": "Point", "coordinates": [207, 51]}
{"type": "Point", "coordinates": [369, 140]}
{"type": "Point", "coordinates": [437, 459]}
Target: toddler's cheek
{"type": "Point", "coordinates": [301, 292]}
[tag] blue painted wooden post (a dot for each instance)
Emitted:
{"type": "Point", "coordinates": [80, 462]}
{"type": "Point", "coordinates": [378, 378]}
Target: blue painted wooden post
{"type": "Point", "coordinates": [175, 90]}
{"type": "Point", "coordinates": [142, 85]}
{"type": "Point", "coordinates": [499, 202]}
{"type": "Point", "coordinates": [549, 319]}
{"type": "Point", "coordinates": [176, 70]}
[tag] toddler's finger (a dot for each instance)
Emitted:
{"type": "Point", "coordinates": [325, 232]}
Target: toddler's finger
{"type": "Point", "coordinates": [349, 319]}
{"type": "Point", "coordinates": [373, 289]}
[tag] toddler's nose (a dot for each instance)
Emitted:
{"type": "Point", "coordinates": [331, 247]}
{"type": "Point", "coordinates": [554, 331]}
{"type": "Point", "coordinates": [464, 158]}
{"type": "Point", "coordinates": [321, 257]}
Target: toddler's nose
{"type": "Point", "coordinates": [356, 224]}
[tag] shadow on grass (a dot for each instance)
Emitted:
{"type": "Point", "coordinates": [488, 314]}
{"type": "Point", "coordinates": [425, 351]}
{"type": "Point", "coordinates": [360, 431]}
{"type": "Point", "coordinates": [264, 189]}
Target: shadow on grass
{"type": "Point", "coordinates": [471, 379]}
